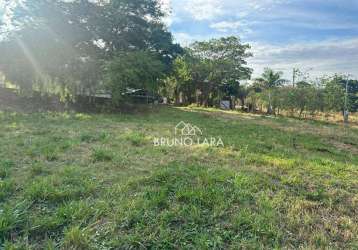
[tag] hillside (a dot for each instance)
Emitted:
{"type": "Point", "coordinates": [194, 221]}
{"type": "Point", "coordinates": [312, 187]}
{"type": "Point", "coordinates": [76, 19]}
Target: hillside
{"type": "Point", "coordinates": [82, 181]}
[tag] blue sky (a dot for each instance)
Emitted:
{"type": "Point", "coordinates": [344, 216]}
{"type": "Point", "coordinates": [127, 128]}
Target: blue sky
{"type": "Point", "coordinates": [316, 35]}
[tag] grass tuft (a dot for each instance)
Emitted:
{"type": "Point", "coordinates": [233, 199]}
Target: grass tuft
{"type": "Point", "coordinates": [50, 153]}
{"type": "Point", "coordinates": [136, 139]}
{"type": "Point", "coordinates": [5, 167]}
{"type": "Point", "coordinates": [76, 239]}
{"type": "Point", "coordinates": [68, 184]}
{"type": "Point", "coordinates": [37, 169]}
{"type": "Point", "coordinates": [101, 154]}
{"type": "Point", "coordinates": [7, 187]}
{"type": "Point", "coordinates": [11, 219]}
{"type": "Point", "coordinates": [88, 138]}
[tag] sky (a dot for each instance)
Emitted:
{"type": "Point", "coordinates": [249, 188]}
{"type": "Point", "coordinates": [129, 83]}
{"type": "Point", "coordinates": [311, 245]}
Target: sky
{"type": "Point", "coordinates": [319, 37]}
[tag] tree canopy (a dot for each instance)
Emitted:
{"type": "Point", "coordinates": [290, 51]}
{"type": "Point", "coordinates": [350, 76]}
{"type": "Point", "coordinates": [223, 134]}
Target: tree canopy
{"type": "Point", "coordinates": [210, 68]}
{"type": "Point", "coordinates": [69, 43]}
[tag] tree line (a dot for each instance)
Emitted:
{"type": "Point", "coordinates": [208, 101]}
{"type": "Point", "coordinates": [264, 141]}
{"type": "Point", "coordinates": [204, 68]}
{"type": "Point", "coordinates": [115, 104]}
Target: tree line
{"type": "Point", "coordinates": [322, 95]}
{"type": "Point", "coordinates": [82, 47]}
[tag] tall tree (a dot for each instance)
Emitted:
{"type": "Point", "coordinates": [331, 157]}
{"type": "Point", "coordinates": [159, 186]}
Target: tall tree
{"type": "Point", "coordinates": [270, 81]}
{"type": "Point", "coordinates": [223, 61]}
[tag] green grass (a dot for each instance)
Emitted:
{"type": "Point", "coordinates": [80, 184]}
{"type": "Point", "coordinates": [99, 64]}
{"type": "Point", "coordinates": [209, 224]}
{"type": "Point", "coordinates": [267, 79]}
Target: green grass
{"type": "Point", "coordinates": [81, 181]}
{"type": "Point", "coordinates": [102, 154]}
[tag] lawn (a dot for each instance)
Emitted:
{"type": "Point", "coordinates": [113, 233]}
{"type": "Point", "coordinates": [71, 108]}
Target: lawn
{"type": "Point", "coordinates": [96, 181]}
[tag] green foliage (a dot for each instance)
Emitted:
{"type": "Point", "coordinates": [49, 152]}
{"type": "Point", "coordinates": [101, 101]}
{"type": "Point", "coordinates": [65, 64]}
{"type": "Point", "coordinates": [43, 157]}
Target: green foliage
{"type": "Point", "coordinates": [68, 184]}
{"type": "Point", "coordinates": [198, 76]}
{"type": "Point", "coordinates": [93, 35]}
{"type": "Point", "coordinates": [135, 70]}
{"type": "Point", "coordinates": [11, 218]}
{"type": "Point", "coordinates": [324, 95]}
{"type": "Point", "coordinates": [136, 139]}
{"type": "Point", "coordinates": [37, 169]}
{"type": "Point", "coordinates": [5, 168]}
{"type": "Point", "coordinates": [269, 81]}
{"type": "Point", "coordinates": [86, 137]}
{"type": "Point", "coordinates": [7, 187]}
{"type": "Point", "coordinates": [50, 153]}
{"type": "Point", "coordinates": [76, 239]}
{"type": "Point", "coordinates": [101, 154]}
{"type": "Point", "coordinates": [334, 95]}
{"type": "Point", "coordinates": [181, 80]}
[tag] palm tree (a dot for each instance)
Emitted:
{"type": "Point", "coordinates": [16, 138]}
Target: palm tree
{"type": "Point", "coordinates": [270, 80]}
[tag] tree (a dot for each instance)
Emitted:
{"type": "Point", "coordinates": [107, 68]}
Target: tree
{"type": "Point", "coordinates": [54, 44]}
{"type": "Point", "coordinates": [136, 70]}
{"type": "Point", "coordinates": [334, 94]}
{"type": "Point", "coordinates": [242, 93]}
{"type": "Point", "coordinates": [222, 61]}
{"type": "Point", "coordinates": [353, 95]}
{"type": "Point", "coordinates": [270, 80]}
{"type": "Point", "coordinates": [180, 83]}
{"type": "Point", "coordinates": [62, 42]}
{"type": "Point", "coordinates": [303, 95]}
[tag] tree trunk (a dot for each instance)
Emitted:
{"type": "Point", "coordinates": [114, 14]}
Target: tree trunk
{"type": "Point", "coordinates": [301, 111]}
{"type": "Point", "coordinates": [242, 100]}
{"type": "Point", "coordinates": [346, 117]}
{"type": "Point", "coordinates": [269, 109]}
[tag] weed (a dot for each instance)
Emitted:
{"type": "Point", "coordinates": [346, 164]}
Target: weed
{"type": "Point", "coordinates": [76, 239]}
{"type": "Point", "coordinates": [7, 187]}
{"type": "Point", "coordinates": [68, 184]}
{"type": "Point", "coordinates": [88, 138]}
{"type": "Point", "coordinates": [135, 138]}
{"type": "Point", "coordinates": [5, 167]}
{"type": "Point", "coordinates": [50, 153]}
{"type": "Point", "coordinates": [37, 169]}
{"type": "Point", "coordinates": [11, 219]}
{"type": "Point", "coordinates": [100, 154]}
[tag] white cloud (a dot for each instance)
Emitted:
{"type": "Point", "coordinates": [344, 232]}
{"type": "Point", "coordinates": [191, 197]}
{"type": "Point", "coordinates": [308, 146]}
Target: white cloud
{"type": "Point", "coordinates": [212, 9]}
{"type": "Point", "coordinates": [166, 8]}
{"type": "Point", "coordinates": [203, 9]}
{"type": "Point", "coordinates": [240, 28]}
{"type": "Point", "coordinates": [226, 26]}
{"type": "Point", "coordinates": [186, 39]}
{"type": "Point", "coordinates": [324, 57]}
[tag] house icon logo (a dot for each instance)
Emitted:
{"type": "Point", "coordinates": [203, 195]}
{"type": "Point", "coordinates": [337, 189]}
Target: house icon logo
{"type": "Point", "coordinates": [187, 129]}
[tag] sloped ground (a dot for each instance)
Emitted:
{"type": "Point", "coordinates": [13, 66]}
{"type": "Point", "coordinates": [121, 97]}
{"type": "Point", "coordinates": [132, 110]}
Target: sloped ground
{"type": "Point", "coordinates": [77, 181]}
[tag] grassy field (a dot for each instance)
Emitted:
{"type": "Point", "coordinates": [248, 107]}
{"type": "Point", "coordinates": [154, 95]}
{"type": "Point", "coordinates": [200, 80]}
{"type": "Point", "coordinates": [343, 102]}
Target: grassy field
{"type": "Point", "coordinates": [81, 181]}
